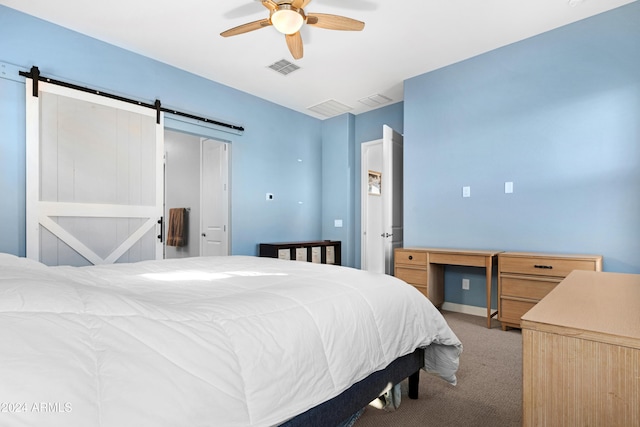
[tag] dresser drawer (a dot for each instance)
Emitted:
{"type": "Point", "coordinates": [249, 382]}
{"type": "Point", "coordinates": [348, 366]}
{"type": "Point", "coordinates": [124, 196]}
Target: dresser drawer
{"type": "Point", "coordinates": [415, 276]}
{"type": "Point", "coordinates": [526, 287]}
{"type": "Point", "coordinates": [409, 257]}
{"type": "Point", "coordinates": [544, 266]}
{"type": "Point", "coordinates": [512, 310]}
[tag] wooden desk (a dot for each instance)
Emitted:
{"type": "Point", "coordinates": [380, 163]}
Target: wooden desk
{"type": "Point", "coordinates": [581, 353]}
{"type": "Point", "coordinates": [435, 261]}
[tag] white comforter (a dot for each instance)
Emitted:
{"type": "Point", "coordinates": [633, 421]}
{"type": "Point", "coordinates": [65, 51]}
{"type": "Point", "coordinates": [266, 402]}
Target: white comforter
{"type": "Point", "coordinates": [228, 341]}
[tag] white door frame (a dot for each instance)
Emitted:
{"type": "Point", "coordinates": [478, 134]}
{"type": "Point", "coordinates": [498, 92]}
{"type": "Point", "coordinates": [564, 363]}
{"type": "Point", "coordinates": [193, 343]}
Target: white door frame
{"type": "Point", "coordinates": [364, 220]}
{"type": "Point", "coordinates": [391, 216]}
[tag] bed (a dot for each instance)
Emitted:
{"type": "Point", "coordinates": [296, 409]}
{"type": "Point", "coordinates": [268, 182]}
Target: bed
{"type": "Point", "coordinates": [209, 341]}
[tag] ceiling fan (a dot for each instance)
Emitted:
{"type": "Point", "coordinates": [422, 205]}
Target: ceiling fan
{"type": "Point", "coordinates": [288, 16]}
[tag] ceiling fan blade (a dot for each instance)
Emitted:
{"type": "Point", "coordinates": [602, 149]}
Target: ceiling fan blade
{"type": "Point", "coordinates": [300, 4]}
{"type": "Point", "coordinates": [334, 22]}
{"type": "Point", "coordinates": [245, 28]}
{"type": "Point", "coordinates": [294, 42]}
{"type": "Point", "coordinates": [270, 4]}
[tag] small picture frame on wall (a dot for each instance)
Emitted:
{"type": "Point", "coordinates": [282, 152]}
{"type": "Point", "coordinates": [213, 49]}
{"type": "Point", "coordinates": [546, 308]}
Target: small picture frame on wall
{"type": "Point", "coordinates": [375, 183]}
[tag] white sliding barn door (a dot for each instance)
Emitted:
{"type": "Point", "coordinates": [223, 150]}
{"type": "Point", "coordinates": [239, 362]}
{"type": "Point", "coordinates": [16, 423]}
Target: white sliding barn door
{"type": "Point", "coordinates": [94, 178]}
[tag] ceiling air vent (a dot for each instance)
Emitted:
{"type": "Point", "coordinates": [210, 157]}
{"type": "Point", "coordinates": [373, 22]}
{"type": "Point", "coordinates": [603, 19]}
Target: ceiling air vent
{"type": "Point", "coordinates": [330, 108]}
{"type": "Point", "coordinates": [375, 100]}
{"type": "Point", "coordinates": [284, 67]}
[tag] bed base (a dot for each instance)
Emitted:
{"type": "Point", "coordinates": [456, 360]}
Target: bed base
{"type": "Point", "coordinates": [335, 411]}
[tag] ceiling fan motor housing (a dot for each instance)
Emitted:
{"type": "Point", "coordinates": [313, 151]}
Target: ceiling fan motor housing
{"type": "Point", "coordinates": [287, 19]}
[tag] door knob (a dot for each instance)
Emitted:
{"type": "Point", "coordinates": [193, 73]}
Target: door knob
{"type": "Point", "coordinates": [204, 234]}
{"type": "Point", "coordinates": [386, 235]}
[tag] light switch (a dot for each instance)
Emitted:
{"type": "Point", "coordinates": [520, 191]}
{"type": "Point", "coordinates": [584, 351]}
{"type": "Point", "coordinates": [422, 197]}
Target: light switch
{"type": "Point", "coordinates": [466, 191]}
{"type": "Point", "coordinates": [337, 223]}
{"type": "Point", "coordinates": [508, 187]}
{"type": "Point", "coordinates": [269, 196]}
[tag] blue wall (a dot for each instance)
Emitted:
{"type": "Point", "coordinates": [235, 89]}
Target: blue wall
{"type": "Point", "coordinates": [264, 158]}
{"type": "Point", "coordinates": [12, 164]}
{"type": "Point", "coordinates": [338, 192]}
{"type": "Point", "coordinates": [559, 116]}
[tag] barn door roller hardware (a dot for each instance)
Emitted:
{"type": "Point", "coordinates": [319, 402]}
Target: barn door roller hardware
{"type": "Point", "coordinates": [35, 75]}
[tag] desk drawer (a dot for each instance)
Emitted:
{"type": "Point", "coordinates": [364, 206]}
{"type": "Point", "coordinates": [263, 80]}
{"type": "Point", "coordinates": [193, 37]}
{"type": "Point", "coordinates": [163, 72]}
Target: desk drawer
{"type": "Point", "coordinates": [512, 310]}
{"type": "Point", "coordinates": [409, 257]}
{"type": "Point", "coordinates": [456, 259]}
{"type": "Point", "coordinates": [544, 266]}
{"type": "Point", "coordinates": [415, 276]}
{"type": "Point", "coordinates": [526, 287]}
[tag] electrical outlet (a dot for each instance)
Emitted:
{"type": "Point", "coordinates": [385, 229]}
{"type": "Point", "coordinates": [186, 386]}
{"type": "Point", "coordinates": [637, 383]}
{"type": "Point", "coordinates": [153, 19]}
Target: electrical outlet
{"type": "Point", "coordinates": [465, 284]}
{"type": "Point", "coordinates": [508, 187]}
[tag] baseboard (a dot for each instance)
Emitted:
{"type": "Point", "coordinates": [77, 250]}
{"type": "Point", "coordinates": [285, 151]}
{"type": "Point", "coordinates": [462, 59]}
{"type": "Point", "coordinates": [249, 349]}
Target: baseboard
{"type": "Point", "coordinates": [466, 309]}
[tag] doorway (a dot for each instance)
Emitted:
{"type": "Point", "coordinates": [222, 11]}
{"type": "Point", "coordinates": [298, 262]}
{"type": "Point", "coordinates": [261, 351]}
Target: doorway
{"type": "Point", "coordinates": [381, 201]}
{"type": "Point", "coordinates": [197, 179]}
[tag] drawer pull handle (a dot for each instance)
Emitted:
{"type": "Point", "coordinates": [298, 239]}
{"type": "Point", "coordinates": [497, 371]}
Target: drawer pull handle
{"type": "Point", "coordinates": [410, 257]}
{"type": "Point", "coordinates": [548, 267]}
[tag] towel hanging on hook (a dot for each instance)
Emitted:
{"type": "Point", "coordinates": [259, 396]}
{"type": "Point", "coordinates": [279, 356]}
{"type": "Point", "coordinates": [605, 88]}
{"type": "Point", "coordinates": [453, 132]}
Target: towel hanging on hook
{"type": "Point", "coordinates": [177, 231]}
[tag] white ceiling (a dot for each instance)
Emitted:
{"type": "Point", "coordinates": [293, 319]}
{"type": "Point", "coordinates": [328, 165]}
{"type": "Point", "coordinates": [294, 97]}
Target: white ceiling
{"type": "Point", "coordinates": [400, 40]}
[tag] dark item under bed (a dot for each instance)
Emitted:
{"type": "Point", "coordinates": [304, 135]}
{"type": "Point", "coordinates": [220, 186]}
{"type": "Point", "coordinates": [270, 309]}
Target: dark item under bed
{"type": "Point", "coordinates": [335, 411]}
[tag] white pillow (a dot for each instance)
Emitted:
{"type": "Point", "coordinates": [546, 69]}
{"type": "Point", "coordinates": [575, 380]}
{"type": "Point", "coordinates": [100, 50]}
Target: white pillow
{"type": "Point", "coordinates": [10, 260]}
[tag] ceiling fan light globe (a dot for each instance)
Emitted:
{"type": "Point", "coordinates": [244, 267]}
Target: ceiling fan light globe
{"type": "Point", "coordinates": [287, 20]}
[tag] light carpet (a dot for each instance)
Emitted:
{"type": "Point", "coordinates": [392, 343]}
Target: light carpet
{"type": "Point", "coordinates": [489, 389]}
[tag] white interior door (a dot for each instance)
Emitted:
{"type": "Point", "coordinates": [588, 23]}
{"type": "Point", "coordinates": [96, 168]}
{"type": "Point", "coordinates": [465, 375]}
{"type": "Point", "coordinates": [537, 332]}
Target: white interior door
{"type": "Point", "coordinates": [214, 200]}
{"type": "Point", "coordinates": [381, 198]}
{"type": "Point", "coordinates": [392, 199]}
{"type": "Point", "coordinates": [94, 178]}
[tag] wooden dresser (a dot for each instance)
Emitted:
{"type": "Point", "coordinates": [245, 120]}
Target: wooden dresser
{"type": "Point", "coordinates": [524, 278]}
{"type": "Point", "coordinates": [581, 353]}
